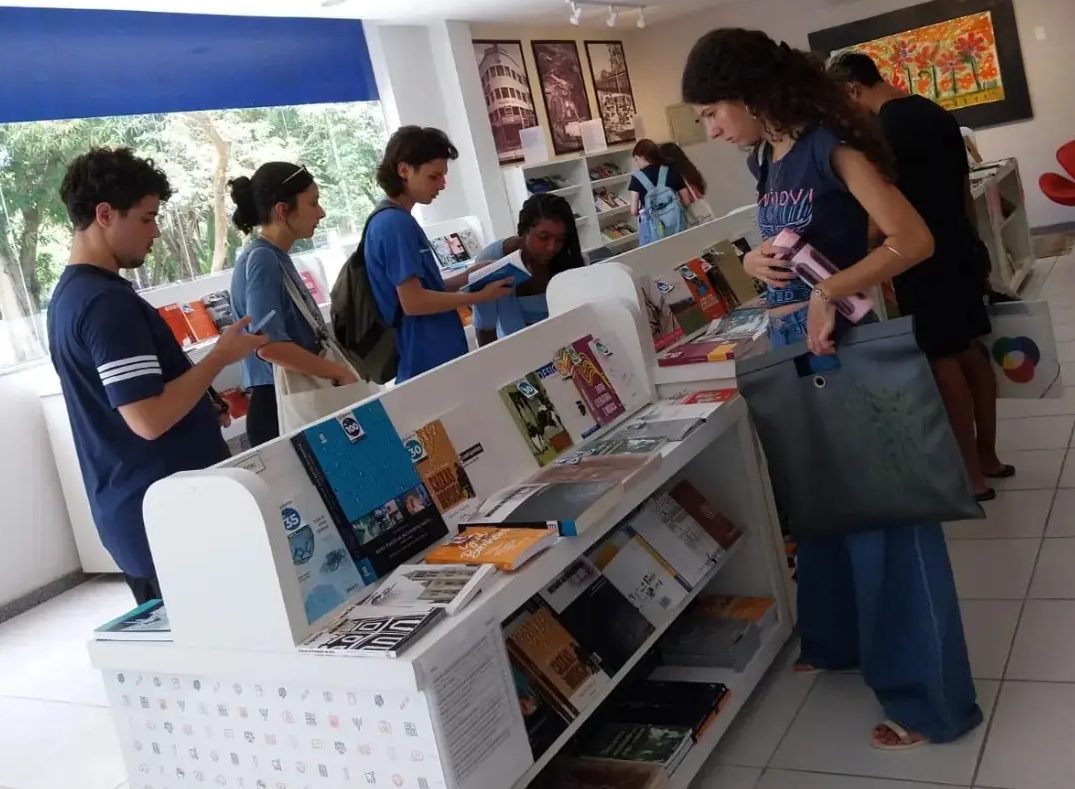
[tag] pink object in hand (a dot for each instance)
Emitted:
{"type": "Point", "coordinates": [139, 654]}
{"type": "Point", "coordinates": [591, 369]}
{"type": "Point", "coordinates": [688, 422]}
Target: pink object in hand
{"type": "Point", "coordinates": [813, 267]}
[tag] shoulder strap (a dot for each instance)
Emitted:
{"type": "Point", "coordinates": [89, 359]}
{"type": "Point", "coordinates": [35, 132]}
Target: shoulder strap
{"type": "Point", "coordinates": [662, 177]}
{"type": "Point", "coordinates": [316, 326]}
{"type": "Point", "coordinates": [644, 180]}
{"type": "Point", "coordinates": [360, 253]}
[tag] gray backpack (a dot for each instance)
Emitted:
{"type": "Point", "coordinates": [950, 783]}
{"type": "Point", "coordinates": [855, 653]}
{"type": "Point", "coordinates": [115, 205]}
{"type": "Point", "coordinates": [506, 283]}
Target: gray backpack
{"type": "Point", "coordinates": [368, 340]}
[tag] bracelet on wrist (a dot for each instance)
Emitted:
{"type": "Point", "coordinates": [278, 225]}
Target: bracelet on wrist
{"type": "Point", "coordinates": [825, 297]}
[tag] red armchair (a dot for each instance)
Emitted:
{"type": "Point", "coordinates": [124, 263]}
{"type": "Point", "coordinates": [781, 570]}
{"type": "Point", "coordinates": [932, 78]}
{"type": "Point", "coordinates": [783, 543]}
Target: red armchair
{"type": "Point", "coordinates": [1056, 187]}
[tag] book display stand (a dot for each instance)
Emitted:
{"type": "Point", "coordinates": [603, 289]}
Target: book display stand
{"type": "Point", "coordinates": [231, 700]}
{"type": "Point", "coordinates": [1000, 205]}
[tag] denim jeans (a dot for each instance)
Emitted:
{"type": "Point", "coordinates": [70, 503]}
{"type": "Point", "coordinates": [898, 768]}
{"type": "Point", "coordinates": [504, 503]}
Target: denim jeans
{"type": "Point", "coordinates": [885, 602]}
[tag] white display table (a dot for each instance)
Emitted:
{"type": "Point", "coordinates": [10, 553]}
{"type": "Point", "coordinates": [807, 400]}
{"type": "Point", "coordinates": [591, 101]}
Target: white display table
{"type": "Point", "coordinates": [232, 702]}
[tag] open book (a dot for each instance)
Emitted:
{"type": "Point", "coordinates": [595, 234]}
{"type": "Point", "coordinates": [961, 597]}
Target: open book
{"type": "Point", "coordinates": [508, 267]}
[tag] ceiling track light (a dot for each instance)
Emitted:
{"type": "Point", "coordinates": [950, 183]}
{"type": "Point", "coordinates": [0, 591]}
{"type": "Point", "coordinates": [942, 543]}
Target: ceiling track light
{"type": "Point", "coordinates": [614, 10]}
{"type": "Point", "coordinates": [576, 12]}
{"type": "Point", "coordinates": [612, 17]}
{"type": "Point", "coordinates": [641, 17]}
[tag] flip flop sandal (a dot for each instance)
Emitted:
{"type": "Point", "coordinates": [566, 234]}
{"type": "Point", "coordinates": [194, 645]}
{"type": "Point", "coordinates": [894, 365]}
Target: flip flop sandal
{"type": "Point", "coordinates": [988, 495]}
{"type": "Point", "coordinates": [905, 742]}
{"type": "Point", "coordinates": [1004, 473]}
{"type": "Point", "coordinates": [806, 670]}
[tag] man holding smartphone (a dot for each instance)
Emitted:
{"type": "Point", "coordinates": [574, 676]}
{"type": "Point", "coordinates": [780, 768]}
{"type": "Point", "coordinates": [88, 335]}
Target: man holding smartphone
{"type": "Point", "coordinates": [946, 293]}
{"type": "Point", "coordinates": [139, 410]}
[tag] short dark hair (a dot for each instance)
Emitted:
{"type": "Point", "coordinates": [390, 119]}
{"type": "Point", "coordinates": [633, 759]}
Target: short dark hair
{"type": "Point", "coordinates": [556, 208]}
{"type": "Point", "coordinates": [272, 183]}
{"type": "Point", "coordinates": [648, 150]}
{"type": "Point", "coordinates": [413, 145]}
{"type": "Point", "coordinates": [855, 67]}
{"type": "Point", "coordinates": [109, 175]}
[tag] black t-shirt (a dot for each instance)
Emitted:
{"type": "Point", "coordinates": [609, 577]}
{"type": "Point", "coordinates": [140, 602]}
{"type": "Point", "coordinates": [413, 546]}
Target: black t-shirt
{"type": "Point", "coordinates": [673, 180]}
{"type": "Point", "coordinates": [932, 170]}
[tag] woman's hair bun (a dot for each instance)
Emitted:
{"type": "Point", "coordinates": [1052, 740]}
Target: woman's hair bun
{"type": "Point", "coordinates": [246, 211]}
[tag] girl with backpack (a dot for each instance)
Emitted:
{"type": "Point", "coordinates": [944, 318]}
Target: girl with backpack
{"type": "Point", "coordinates": [881, 600]}
{"type": "Point", "coordinates": [659, 195]}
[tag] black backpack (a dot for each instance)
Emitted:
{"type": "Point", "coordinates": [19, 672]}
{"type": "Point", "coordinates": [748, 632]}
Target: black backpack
{"type": "Point", "coordinates": [368, 340]}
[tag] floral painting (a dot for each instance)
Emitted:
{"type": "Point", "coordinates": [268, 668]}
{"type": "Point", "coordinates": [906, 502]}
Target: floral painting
{"type": "Point", "coordinates": [963, 54]}
{"type": "Point", "coordinates": [954, 63]}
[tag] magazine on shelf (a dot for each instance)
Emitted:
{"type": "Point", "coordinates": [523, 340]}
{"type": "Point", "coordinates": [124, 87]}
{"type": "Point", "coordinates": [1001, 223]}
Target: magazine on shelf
{"type": "Point", "coordinates": [373, 631]}
{"type": "Point", "coordinates": [568, 507]}
{"type": "Point", "coordinates": [365, 476]}
{"type": "Point", "coordinates": [568, 401]}
{"type": "Point", "coordinates": [640, 574]}
{"type": "Point", "coordinates": [509, 267]}
{"type": "Point", "coordinates": [147, 622]}
{"type": "Point", "coordinates": [594, 611]}
{"type": "Point", "coordinates": [536, 418]}
{"type": "Point", "coordinates": [569, 675]}
{"type": "Point", "coordinates": [451, 586]}
{"type": "Point", "coordinates": [439, 465]}
{"type": "Point", "coordinates": [326, 571]}
{"type": "Point", "coordinates": [505, 549]}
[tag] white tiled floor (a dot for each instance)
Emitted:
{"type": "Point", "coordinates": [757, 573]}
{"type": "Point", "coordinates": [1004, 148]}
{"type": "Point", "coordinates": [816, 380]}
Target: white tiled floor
{"type": "Point", "coordinates": [1013, 571]}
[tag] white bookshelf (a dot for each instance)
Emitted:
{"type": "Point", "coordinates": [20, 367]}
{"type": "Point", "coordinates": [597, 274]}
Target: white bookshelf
{"type": "Point", "coordinates": [591, 221]}
{"type": "Point", "coordinates": [327, 721]}
{"type": "Point", "coordinates": [1000, 207]}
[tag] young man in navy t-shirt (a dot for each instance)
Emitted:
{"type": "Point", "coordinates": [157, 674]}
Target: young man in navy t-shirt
{"type": "Point", "coordinates": [402, 267]}
{"type": "Point", "coordinates": [139, 410]}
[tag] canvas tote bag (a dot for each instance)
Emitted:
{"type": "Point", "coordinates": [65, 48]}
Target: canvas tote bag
{"type": "Point", "coordinates": [698, 211]}
{"type": "Point", "coordinates": [1022, 350]}
{"type": "Point", "coordinates": [859, 440]}
{"type": "Point", "coordinates": [302, 399]}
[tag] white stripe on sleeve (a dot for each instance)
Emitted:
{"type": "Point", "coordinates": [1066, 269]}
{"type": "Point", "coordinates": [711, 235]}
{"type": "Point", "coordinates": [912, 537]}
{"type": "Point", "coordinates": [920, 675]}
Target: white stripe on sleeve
{"type": "Point", "coordinates": [127, 375]}
{"type": "Point", "coordinates": [104, 368]}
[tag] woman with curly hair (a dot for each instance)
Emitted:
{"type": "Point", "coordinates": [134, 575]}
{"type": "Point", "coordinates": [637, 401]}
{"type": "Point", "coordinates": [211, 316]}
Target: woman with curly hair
{"type": "Point", "coordinates": [883, 601]}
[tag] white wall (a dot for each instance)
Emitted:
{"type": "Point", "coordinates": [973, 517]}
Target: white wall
{"type": "Point", "coordinates": [36, 546]}
{"type": "Point", "coordinates": [657, 54]}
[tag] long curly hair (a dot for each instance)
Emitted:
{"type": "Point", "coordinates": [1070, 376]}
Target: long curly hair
{"type": "Point", "coordinates": [788, 90]}
{"type": "Point", "coordinates": [546, 206]}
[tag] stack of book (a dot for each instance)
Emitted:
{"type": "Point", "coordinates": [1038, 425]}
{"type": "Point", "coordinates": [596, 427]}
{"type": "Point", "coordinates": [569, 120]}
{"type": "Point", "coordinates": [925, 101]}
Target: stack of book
{"type": "Point", "coordinates": [617, 230]}
{"type": "Point", "coordinates": [547, 183]}
{"type": "Point", "coordinates": [605, 170]}
{"type": "Point", "coordinates": [718, 632]}
{"type": "Point", "coordinates": [607, 200]}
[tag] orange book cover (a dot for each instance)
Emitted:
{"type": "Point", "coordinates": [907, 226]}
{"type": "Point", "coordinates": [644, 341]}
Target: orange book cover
{"type": "Point", "coordinates": [439, 466]}
{"type": "Point", "coordinates": [238, 402]}
{"type": "Point", "coordinates": [752, 609]}
{"type": "Point", "coordinates": [720, 528]}
{"type": "Point", "coordinates": [177, 321]}
{"type": "Point", "coordinates": [200, 321]}
{"type": "Point", "coordinates": [710, 396]}
{"type": "Point", "coordinates": [697, 278]}
{"type": "Point", "coordinates": [506, 549]}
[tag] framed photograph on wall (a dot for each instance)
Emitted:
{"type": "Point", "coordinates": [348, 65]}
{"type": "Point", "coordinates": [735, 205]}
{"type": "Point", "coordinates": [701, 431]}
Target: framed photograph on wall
{"type": "Point", "coordinates": [508, 99]}
{"type": "Point", "coordinates": [564, 91]}
{"type": "Point", "coordinates": [963, 54]}
{"type": "Point", "coordinates": [612, 86]}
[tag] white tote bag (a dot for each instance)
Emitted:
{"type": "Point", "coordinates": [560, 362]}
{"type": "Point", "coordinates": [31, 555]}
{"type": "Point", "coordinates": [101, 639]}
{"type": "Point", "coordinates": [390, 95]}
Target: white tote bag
{"type": "Point", "coordinates": [1023, 352]}
{"type": "Point", "coordinates": [303, 399]}
{"type": "Point", "coordinates": [698, 211]}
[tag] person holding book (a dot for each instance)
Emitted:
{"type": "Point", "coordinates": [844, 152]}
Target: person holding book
{"type": "Point", "coordinates": [548, 242]}
{"type": "Point", "coordinates": [402, 267]}
{"type": "Point", "coordinates": [882, 600]}
{"type": "Point", "coordinates": [659, 195]}
{"type": "Point", "coordinates": [281, 202]}
{"type": "Point", "coordinates": [946, 293]}
{"type": "Point", "coordinates": [139, 410]}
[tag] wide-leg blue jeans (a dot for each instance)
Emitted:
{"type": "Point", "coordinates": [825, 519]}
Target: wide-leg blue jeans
{"type": "Point", "coordinates": [885, 601]}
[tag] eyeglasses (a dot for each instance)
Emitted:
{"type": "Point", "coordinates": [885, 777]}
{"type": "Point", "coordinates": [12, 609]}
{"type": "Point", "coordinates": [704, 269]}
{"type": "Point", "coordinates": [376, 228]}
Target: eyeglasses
{"type": "Point", "coordinates": [302, 169]}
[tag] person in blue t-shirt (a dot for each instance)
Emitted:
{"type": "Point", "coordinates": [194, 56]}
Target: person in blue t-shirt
{"type": "Point", "coordinates": [402, 267]}
{"type": "Point", "coordinates": [549, 242]}
{"type": "Point", "coordinates": [883, 600]}
{"type": "Point", "coordinates": [139, 410]}
{"type": "Point", "coordinates": [281, 200]}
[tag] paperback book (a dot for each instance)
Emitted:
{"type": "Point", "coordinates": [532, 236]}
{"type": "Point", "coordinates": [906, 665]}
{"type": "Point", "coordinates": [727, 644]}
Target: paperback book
{"type": "Point", "coordinates": [505, 549]}
{"type": "Point", "coordinates": [632, 392]}
{"type": "Point", "coordinates": [543, 723]}
{"type": "Point", "coordinates": [727, 273]}
{"type": "Point", "coordinates": [569, 675]}
{"type": "Point", "coordinates": [364, 473]}
{"type": "Point", "coordinates": [439, 466]}
{"type": "Point", "coordinates": [759, 610]}
{"type": "Point", "coordinates": [328, 575]}
{"type": "Point", "coordinates": [698, 507]}
{"type": "Point", "coordinates": [659, 703]}
{"type": "Point", "coordinates": [709, 301]}
{"type": "Point", "coordinates": [597, 468]}
{"type": "Point", "coordinates": [218, 304]}
{"type": "Point", "coordinates": [579, 361]}
{"type": "Point", "coordinates": [492, 459]}
{"type": "Point", "coordinates": [147, 622]}
{"type": "Point", "coordinates": [365, 631]}
{"type": "Point", "coordinates": [622, 445]}
{"type": "Point", "coordinates": [451, 586]}
{"type": "Point", "coordinates": [509, 267]}
{"type": "Point", "coordinates": [665, 746]}
{"type": "Point", "coordinates": [536, 418]}
{"type": "Point", "coordinates": [605, 623]}
{"type": "Point", "coordinates": [678, 538]}
{"type": "Point", "coordinates": [566, 507]}
{"type": "Point", "coordinates": [640, 574]}
{"type": "Point", "coordinates": [568, 402]}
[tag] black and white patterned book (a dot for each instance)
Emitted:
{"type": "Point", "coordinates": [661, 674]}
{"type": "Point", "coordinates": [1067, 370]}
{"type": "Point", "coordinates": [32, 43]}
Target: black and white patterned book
{"type": "Point", "coordinates": [367, 631]}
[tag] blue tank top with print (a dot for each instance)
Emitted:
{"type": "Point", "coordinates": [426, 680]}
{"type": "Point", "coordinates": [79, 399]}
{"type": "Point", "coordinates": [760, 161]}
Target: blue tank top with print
{"type": "Point", "coordinates": [803, 193]}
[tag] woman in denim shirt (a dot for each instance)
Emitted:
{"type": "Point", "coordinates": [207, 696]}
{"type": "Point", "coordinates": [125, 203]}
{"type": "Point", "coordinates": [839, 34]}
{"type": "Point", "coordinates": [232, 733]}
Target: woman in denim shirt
{"type": "Point", "coordinates": [884, 600]}
{"type": "Point", "coordinates": [281, 202]}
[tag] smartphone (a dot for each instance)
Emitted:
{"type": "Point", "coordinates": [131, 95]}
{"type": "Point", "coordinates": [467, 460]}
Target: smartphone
{"type": "Point", "coordinates": [254, 329]}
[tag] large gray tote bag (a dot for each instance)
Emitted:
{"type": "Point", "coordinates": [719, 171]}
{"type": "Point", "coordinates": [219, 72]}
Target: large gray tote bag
{"type": "Point", "coordinates": [859, 440]}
